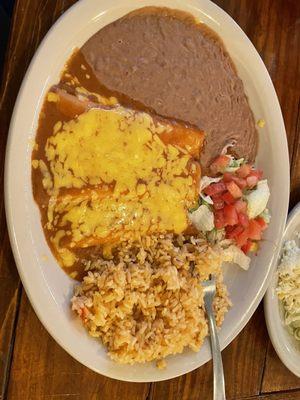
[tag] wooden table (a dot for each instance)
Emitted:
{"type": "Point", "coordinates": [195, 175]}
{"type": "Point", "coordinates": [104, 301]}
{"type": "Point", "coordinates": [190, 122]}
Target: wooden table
{"type": "Point", "coordinates": [32, 365]}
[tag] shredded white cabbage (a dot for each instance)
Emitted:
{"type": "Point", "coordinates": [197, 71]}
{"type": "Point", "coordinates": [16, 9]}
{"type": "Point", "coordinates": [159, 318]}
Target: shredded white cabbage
{"type": "Point", "coordinates": [234, 164]}
{"type": "Point", "coordinates": [257, 199]}
{"type": "Point", "coordinates": [227, 146]}
{"type": "Point", "coordinates": [206, 181]}
{"type": "Point", "coordinates": [202, 219]}
{"type": "Point", "coordinates": [206, 199]}
{"type": "Point", "coordinates": [266, 216]}
{"type": "Point", "coordinates": [288, 288]}
{"type": "Point", "coordinates": [235, 255]}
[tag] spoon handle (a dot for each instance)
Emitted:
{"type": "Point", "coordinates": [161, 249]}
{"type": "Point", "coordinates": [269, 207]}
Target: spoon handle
{"type": "Point", "coordinates": [219, 382]}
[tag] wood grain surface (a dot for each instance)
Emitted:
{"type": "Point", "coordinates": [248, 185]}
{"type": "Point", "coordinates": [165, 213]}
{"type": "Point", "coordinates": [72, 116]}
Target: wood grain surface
{"type": "Point", "coordinates": [32, 365]}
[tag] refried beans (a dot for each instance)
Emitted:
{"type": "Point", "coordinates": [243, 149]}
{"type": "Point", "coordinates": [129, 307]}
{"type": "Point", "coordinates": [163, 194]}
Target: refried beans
{"type": "Point", "coordinates": [180, 69]}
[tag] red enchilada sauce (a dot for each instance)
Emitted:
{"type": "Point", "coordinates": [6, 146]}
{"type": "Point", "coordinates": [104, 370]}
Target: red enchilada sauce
{"type": "Point", "coordinates": [142, 90]}
{"type": "Point", "coordinates": [79, 99]}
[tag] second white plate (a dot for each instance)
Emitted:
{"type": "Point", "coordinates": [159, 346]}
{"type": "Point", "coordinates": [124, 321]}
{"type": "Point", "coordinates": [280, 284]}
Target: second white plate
{"type": "Point", "coordinates": [287, 348]}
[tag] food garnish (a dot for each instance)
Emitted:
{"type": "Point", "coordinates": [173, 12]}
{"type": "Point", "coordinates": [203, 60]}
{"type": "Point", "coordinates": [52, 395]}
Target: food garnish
{"type": "Point", "coordinates": [288, 287]}
{"type": "Point", "coordinates": [237, 197]}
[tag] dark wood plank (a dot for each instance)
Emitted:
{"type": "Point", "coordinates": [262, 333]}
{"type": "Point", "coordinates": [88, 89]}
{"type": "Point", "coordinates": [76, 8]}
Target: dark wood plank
{"type": "Point", "coordinates": [276, 396]}
{"type": "Point", "coordinates": [281, 55]}
{"type": "Point", "coordinates": [295, 163]}
{"type": "Point", "coordinates": [284, 380]}
{"type": "Point", "coordinates": [25, 35]}
{"type": "Point", "coordinates": [283, 62]}
{"type": "Point", "coordinates": [242, 374]}
{"type": "Point", "coordinates": [9, 300]}
{"type": "Point", "coordinates": [41, 369]}
{"type": "Point", "coordinates": [273, 28]}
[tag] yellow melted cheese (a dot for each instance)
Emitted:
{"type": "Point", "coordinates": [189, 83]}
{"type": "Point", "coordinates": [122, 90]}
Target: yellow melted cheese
{"type": "Point", "coordinates": [121, 180]}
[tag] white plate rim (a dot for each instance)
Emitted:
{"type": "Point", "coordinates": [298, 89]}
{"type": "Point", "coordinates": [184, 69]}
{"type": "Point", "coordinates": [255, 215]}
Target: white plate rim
{"type": "Point", "coordinates": [271, 308]}
{"type": "Point", "coordinates": [13, 225]}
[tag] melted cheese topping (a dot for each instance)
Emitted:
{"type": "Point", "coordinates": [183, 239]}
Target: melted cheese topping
{"type": "Point", "coordinates": [110, 176]}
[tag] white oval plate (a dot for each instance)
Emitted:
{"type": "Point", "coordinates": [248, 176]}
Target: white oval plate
{"type": "Point", "coordinates": [287, 348]}
{"type": "Point", "coordinates": [47, 286]}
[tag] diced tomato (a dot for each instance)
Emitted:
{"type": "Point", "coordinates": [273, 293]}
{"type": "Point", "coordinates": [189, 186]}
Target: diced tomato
{"type": "Point", "coordinates": [229, 229]}
{"type": "Point", "coordinates": [234, 190]}
{"type": "Point", "coordinates": [239, 181]}
{"type": "Point", "coordinates": [242, 238]}
{"type": "Point", "coordinates": [262, 223]}
{"type": "Point", "coordinates": [215, 188]}
{"type": "Point", "coordinates": [251, 181]}
{"type": "Point", "coordinates": [230, 215]}
{"type": "Point", "coordinates": [256, 172]}
{"type": "Point", "coordinates": [234, 232]}
{"type": "Point", "coordinates": [228, 198]}
{"type": "Point", "coordinates": [240, 206]}
{"type": "Point", "coordinates": [218, 202]}
{"type": "Point", "coordinates": [254, 230]}
{"type": "Point", "coordinates": [219, 219]}
{"type": "Point", "coordinates": [244, 171]}
{"type": "Point", "coordinates": [247, 246]}
{"type": "Point", "coordinates": [219, 164]}
{"type": "Point", "coordinates": [228, 177]}
{"type": "Point", "coordinates": [243, 220]}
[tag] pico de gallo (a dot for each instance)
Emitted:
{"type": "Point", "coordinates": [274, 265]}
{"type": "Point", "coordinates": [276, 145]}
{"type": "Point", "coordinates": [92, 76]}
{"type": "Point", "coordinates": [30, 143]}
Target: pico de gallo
{"type": "Point", "coordinates": [233, 203]}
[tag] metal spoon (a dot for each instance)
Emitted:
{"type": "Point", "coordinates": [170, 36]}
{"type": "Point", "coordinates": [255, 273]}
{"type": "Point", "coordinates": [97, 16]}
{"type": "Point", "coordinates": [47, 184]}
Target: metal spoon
{"type": "Point", "coordinates": [219, 382]}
